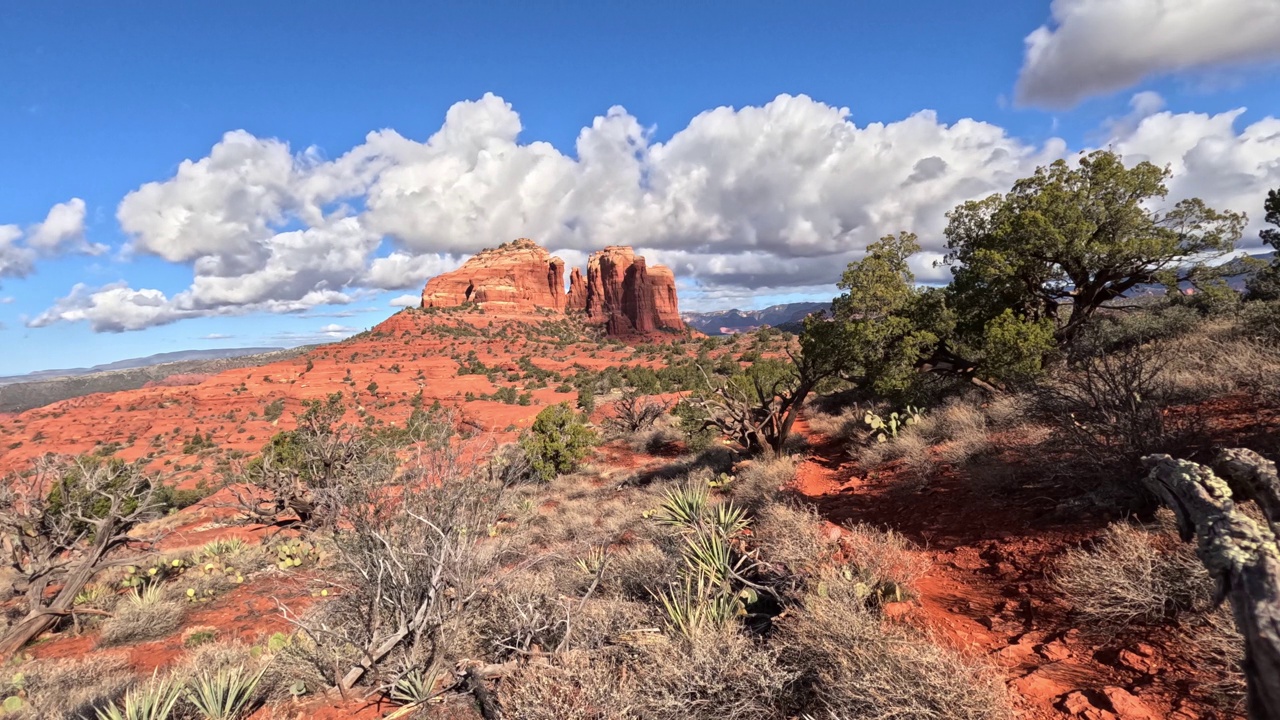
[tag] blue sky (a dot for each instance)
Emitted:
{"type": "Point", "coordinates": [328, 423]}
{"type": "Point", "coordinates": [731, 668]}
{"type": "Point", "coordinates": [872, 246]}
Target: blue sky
{"type": "Point", "coordinates": [821, 145]}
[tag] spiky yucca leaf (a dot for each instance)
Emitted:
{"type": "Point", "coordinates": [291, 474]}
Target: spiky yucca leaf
{"type": "Point", "coordinates": [707, 553]}
{"type": "Point", "coordinates": [594, 561]}
{"type": "Point", "coordinates": [699, 604]}
{"type": "Point", "coordinates": [728, 518]}
{"type": "Point", "coordinates": [224, 695]}
{"type": "Point", "coordinates": [416, 686]}
{"type": "Point", "coordinates": [222, 546]}
{"type": "Point", "coordinates": [152, 701]}
{"type": "Point", "coordinates": [145, 595]}
{"type": "Point", "coordinates": [683, 506]}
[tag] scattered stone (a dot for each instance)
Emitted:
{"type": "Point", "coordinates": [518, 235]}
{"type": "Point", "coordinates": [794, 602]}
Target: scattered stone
{"type": "Point", "coordinates": [1078, 704]}
{"type": "Point", "coordinates": [895, 611]}
{"type": "Point", "coordinates": [1127, 706]}
{"type": "Point", "coordinates": [1039, 684]}
{"type": "Point", "coordinates": [1054, 651]}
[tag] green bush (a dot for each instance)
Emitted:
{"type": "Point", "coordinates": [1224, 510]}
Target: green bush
{"type": "Point", "coordinates": [557, 442]}
{"type": "Point", "coordinates": [1014, 348]}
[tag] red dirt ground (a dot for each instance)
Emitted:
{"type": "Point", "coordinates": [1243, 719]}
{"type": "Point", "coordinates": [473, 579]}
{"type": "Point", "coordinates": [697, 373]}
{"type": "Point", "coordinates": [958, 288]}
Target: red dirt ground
{"type": "Point", "coordinates": [988, 589]}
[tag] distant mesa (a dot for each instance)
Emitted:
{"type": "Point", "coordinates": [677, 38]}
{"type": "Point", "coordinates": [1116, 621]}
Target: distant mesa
{"type": "Point", "coordinates": [620, 290]}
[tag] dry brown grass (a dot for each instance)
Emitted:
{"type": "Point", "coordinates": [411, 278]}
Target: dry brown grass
{"type": "Point", "coordinates": [134, 623]}
{"type": "Point", "coordinates": [69, 689]}
{"type": "Point", "coordinates": [716, 675]}
{"type": "Point", "coordinates": [886, 558]}
{"type": "Point", "coordinates": [850, 665]}
{"type": "Point", "coordinates": [845, 424]}
{"type": "Point", "coordinates": [791, 541]}
{"type": "Point", "coordinates": [575, 687]}
{"type": "Point", "coordinates": [1132, 574]}
{"type": "Point", "coordinates": [759, 482]}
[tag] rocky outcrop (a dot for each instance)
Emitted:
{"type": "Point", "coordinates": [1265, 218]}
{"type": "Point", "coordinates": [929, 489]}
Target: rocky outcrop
{"type": "Point", "coordinates": [620, 290]}
{"type": "Point", "coordinates": [577, 298]}
{"type": "Point", "coordinates": [629, 297]}
{"type": "Point", "coordinates": [519, 276]}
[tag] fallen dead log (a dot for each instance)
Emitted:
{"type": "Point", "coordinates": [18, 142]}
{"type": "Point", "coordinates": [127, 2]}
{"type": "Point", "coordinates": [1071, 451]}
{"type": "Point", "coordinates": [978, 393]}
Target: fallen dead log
{"type": "Point", "coordinates": [1240, 553]}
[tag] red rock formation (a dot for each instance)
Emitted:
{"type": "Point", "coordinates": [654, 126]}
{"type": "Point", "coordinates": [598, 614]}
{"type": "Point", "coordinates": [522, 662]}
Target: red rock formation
{"type": "Point", "coordinates": [519, 276]}
{"type": "Point", "coordinates": [629, 297]}
{"type": "Point", "coordinates": [620, 291]}
{"type": "Point", "coordinates": [577, 298]}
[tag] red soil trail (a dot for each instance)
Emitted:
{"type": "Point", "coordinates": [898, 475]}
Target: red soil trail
{"type": "Point", "coordinates": [989, 592]}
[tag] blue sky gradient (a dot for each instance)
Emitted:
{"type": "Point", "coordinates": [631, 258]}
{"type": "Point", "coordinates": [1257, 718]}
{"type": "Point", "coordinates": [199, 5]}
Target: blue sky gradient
{"type": "Point", "coordinates": [97, 99]}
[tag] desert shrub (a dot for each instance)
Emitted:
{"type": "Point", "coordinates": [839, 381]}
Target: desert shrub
{"type": "Point", "coordinates": [962, 428]}
{"type": "Point", "coordinates": [694, 425]}
{"type": "Point", "coordinates": [849, 664]}
{"type": "Point", "coordinates": [1133, 575]}
{"type": "Point", "coordinates": [510, 465]}
{"type": "Point", "coordinates": [1260, 322]}
{"type": "Point", "coordinates": [759, 482]}
{"type": "Point", "coordinates": [406, 568]}
{"type": "Point", "coordinates": [654, 439]}
{"type": "Point", "coordinates": [634, 412]}
{"type": "Point", "coordinates": [1109, 409]}
{"type": "Point", "coordinates": [573, 687]}
{"type": "Point", "coordinates": [141, 617]}
{"type": "Point", "coordinates": [68, 689]}
{"type": "Point", "coordinates": [714, 675]}
{"type": "Point", "coordinates": [1121, 331]}
{"type": "Point", "coordinates": [636, 571]}
{"type": "Point", "coordinates": [525, 612]}
{"type": "Point", "coordinates": [791, 541]}
{"type": "Point", "coordinates": [586, 400]}
{"type": "Point", "coordinates": [557, 442]}
{"type": "Point", "coordinates": [910, 446]}
{"type": "Point", "coordinates": [887, 562]}
{"type": "Point", "coordinates": [841, 424]}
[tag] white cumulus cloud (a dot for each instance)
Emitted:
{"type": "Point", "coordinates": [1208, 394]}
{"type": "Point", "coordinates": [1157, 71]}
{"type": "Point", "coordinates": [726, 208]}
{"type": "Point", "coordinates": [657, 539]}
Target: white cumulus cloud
{"type": "Point", "coordinates": [61, 233]}
{"type": "Point", "coordinates": [1094, 47]}
{"type": "Point", "coordinates": [775, 198]}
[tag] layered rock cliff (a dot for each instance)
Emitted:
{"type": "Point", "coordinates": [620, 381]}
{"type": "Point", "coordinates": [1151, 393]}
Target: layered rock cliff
{"type": "Point", "coordinates": [628, 296]}
{"type": "Point", "coordinates": [620, 290]}
{"type": "Point", "coordinates": [517, 277]}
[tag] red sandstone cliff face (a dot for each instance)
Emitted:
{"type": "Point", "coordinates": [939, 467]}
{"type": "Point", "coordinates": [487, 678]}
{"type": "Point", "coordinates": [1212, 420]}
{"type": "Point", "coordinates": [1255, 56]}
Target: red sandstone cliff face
{"type": "Point", "coordinates": [519, 276]}
{"type": "Point", "coordinates": [620, 291]}
{"type": "Point", "coordinates": [577, 298]}
{"type": "Point", "coordinates": [629, 297]}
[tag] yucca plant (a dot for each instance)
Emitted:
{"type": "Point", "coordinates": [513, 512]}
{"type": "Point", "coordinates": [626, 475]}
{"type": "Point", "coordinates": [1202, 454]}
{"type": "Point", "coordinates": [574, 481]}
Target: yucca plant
{"type": "Point", "coordinates": [728, 518]}
{"type": "Point", "coordinates": [708, 554]}
{"type": "Point", "coordinates": [145, 595]}
{"type": "Point", "coordinates": [152, 701]}
{"type": "Point", "coordinates": [700, 603]}
{"type": "Point", "coordinates": [683, 506]}
{"type": "Point", "coordinates": [416, 686]}
{"type": "Point", "coordinates": [92, 594]}
{"type": "Point", "coordinates": [222, 546]}
{"type": "Point", "coordinates": [594, 562]}
{"type": "Point", "coordinates": [226, 694]}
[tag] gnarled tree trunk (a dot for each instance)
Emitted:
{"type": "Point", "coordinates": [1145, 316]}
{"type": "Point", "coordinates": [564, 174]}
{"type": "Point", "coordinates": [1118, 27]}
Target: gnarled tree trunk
{"type": "Point", "coordinates": [1240, 553]}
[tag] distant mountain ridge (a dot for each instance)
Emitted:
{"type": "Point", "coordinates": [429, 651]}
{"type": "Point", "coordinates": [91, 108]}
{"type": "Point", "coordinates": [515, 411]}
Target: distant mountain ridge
{"type": "Point", "coordinates": [37, 389]}
{"type": "Point", "coordinates": [132, 363]}
{"type": "Point", "coordinates": [729, 322]}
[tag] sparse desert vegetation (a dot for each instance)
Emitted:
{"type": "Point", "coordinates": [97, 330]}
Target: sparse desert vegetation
{"type": "Point", "coordinates": [927, 504]}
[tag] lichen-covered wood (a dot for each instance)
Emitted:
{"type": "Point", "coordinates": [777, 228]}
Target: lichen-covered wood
{"type": "Point", "coordinates": [1239, 552]}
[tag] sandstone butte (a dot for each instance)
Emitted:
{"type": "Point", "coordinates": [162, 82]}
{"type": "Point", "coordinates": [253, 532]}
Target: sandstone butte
{"type": "Point", "coordinates": [620, 291]}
